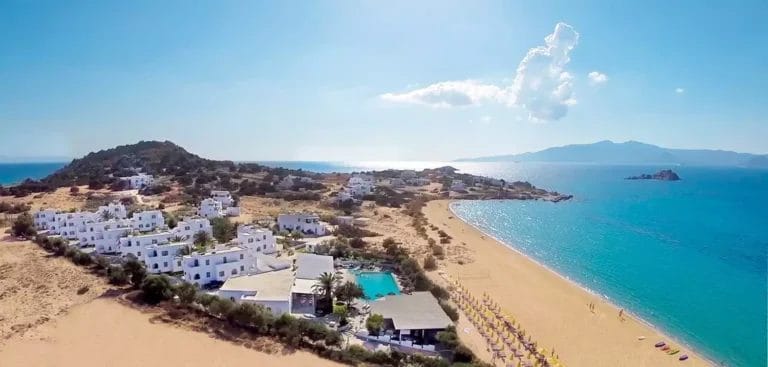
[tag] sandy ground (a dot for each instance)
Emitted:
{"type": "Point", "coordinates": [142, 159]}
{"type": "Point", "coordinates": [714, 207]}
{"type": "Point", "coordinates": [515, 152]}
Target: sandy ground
{"type": "Point", "coordinates": [104, 332]}
{"type": "Point", "coordinates": [553, 310]}
{"type": "Point", "coordinates": [36, 288]}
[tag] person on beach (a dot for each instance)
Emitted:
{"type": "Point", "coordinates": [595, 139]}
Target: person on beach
{"type": "Point", "coordinates": [621, 314]}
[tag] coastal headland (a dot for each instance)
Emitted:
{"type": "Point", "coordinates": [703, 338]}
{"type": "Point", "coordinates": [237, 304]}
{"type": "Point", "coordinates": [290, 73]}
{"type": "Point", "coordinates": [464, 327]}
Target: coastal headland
{"type": "Point", "coordinates": [553, 310]}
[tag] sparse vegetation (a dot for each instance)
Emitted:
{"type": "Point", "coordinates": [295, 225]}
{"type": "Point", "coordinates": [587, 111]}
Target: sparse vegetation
{"type": "Point", "coordinates": [23, 226]}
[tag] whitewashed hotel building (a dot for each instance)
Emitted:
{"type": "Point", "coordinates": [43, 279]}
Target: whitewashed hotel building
{"type": "Point", "coordinates": [222, 196]}
{"type": "Point", "coordinates": [307, 223]}
{"type": "Point", "coordinates": [136, 244]}
{"type": "Point", "coordinates": [148, 220]}
{"type": "Point", "coordinates": [210, 208]}
{"type": "Point", "coordinates": [164, 258]}
{"type": "Point", "coordinates": [139, 181]}
{"type": "Point", "coordinates": [188, 227]}
{"type": "Point", "coordinates": [45, 219]}
{"type": "Point", "coordinates": [256, 240]}
{"type": "Point", "coordinates": [217, 265]}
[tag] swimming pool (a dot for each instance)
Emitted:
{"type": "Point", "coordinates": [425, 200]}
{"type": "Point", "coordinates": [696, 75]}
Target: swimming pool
{"type": "Point", "coordinates": [376, 284]}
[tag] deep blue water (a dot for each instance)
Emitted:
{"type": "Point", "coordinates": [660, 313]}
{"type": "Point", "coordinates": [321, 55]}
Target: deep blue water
{"type": "Point", "coordinates": [11, 173]}
{"type": "Point", "coordinates": [690, 257]}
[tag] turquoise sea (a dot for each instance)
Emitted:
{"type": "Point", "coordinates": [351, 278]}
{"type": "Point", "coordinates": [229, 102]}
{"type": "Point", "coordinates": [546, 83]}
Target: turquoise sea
{"type": "Point", "coordinates": [690, 257]}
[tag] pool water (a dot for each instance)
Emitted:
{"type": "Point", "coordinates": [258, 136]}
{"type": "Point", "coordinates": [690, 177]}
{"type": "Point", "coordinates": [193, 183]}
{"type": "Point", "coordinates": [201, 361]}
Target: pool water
{"type": "Point", "coordinates": [376, 284]}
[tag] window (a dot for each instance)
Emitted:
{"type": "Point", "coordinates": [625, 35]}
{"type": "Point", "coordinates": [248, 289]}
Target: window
{"type": "Point", "coordinates": [138, 254]}
{"type": "Point", "coordinates": [208, 274]}
{"type": "Point", "coordinates": [241, 256]}
{"type": "Point", "coordinates": [207, 262]}
{"type": "Point", "coordinates": [178, 263]}
{"type": "Point", "coordinates": [234, 271]}
{"type": "Point", "coordinates": [242, 268]}
{"type": "Point", "coordinates": [165, 264]}
{"type": "Point", "coordinates": [221, 273]}
{"type": "Point", "coordinates": [154, 242]}
{"type": "Point", "coordinates": [164, 253]}
{"type": "Point", "coordinates": [197, 276]}
{"type": "Point", "coordinates": [154, 266]}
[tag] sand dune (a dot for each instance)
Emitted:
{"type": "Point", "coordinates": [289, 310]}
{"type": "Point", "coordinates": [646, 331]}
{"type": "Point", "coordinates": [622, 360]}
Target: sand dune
{"type": "Point", "coordinates": [104, 332]}
{"type": "Point", "coordinates": [553, 310]}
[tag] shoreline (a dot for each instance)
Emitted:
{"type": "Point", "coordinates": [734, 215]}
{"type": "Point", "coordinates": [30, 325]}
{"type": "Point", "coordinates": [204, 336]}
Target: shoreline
{"type": "Point", "coordinates": [542, 291]}
{"type": "Point", "coordinates": [604, 297]}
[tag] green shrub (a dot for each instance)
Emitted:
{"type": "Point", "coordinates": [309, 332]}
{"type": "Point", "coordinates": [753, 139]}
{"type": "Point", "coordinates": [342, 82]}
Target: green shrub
{"type": "Point", "coordinates": [156, 288]}
{"type": "Point", "coordinates": [449, 310]}
{"type": "Point", "coordinates": [221, 306]}
{"type": "Point", "coordinates": [430, 263]}
{"type": "Point", "coordinates": [439, 292]}
{"type": "Point", "coordinates": [117, 275]}
{"type": "Point", "coordinates": [462, 354]}
{"type": "Point", "coordinates": [187, 293]}
{"type": "Point", "coordinates": [70, 252]}
{"type": "Point", "coordinates": [82, 259]}
{"type": "Point", "coordinates": [374, 324]}
{"type": "Point", "coordinates": [24, 226]}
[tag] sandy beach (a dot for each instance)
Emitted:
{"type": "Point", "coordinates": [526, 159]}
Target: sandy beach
{"type": "Point", "coordinates": [552, 309]}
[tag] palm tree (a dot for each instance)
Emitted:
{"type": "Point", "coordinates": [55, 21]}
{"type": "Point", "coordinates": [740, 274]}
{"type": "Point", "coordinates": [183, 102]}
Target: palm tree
{"type": "Point", "coordinates": [324, 285]}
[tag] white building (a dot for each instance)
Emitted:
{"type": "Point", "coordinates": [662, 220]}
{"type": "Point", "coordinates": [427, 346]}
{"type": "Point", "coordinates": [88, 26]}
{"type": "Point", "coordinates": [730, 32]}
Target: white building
{"type": "Point", "coordinates": [72, 225]}
{"type": "Point", "coordinates": [45, 219]}
{"type": "Point", "coordinates": [210, 208]}
{"type": "Point", "coordinates": [307, 223]}
{"type": "Point", "coordinates": [113, 211]}
{"type": "Point", "coordinates": [256, 240]}
{"type": "Point", "coordinates": [187, 228]}
{"type": "Point", "coordinates": [224, 197]}
{"type": "Point", "coordinates": [344, 195]}
{"type": "Point", "coordinates": [271, 290]}
{"type": "Point", "coordinates": [148, 220]}
{"type": "Point", "coordinates": [458, 185]}
{"type": "Point", "coordinates": [139, 181]}
{"type": "Point", "coordinates": [360, 185]}
{"type": "Point", "coordinates": [136, 244]}
{"type": "Point", "coordinates": [217, 265]}
{"type": "Point", "coordinates": [105, 236]}
{"type": "Point", "coordinates": [164, 258]}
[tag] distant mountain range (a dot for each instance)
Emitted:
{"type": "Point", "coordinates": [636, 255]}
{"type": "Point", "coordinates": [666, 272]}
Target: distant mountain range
{"type": "Point", "coordinates": [632, 152]}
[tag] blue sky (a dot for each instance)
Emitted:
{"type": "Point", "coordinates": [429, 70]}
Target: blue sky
{"type": "Point", "coordinates": [380, 80]}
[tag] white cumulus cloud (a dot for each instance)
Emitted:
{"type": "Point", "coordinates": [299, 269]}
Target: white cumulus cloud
{"type": "Point", "coordinates": [679, 90]}
{"type": "Point", "coordinates": [597, 77]}
{"type": "Point", "coordinates": [449, 94]}
{"type": "Point", "coordinates": [541, 84]}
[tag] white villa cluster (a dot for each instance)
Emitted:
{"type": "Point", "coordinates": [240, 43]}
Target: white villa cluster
{"type": "Point", "coordinates": [146, 237]}
{"type": "Point", "coordinates": [306, 223]}
{"type": "Point", "coordinates": [139, 181]}
{"type": "Point", "coordinates": [220, 204]}
{"type": "Point", "coordinates": [360, 185]}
